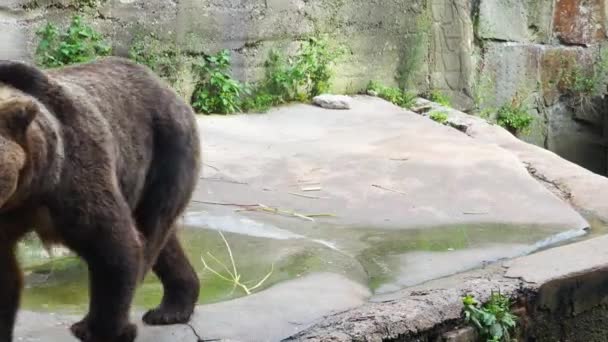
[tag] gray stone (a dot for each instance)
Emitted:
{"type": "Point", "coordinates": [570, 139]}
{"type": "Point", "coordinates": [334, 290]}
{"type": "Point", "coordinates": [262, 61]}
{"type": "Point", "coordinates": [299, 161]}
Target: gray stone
{"type": "Point", "coordinates": [542, 267]}
{"type": "Point", "coordinates": [269, 315]}
{"type": "Point", "coordinates": [451, 50]}
{"type": "Point", "coordinates": [503, 20]}
{"type": "Point", "coordinates": [540, 19]}
{"type": "Point", "coordinates": [12, 38]}
{"type": "Point", "coordinates": [374, 132]}
{"type": "Point", "coordinates": [518, 77]}
{"type": "Point", "coordinates": [252, 28]}
{"type": "Point", "coordinates": [329, 101]}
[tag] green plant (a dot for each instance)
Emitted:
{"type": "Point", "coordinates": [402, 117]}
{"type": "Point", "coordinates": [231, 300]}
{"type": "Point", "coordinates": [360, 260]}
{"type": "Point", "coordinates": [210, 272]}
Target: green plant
{"type": "Point", "coordinates": [233, 275]}
{"type": "Point", "coordinates": [314, 64]}
{"type": "Point", "coordinates": [81, 4]}
{"type": "Point", "coordinates": [583, 84]}
{"type": "Point", "coordinates": [397, 96]}
{"type": "Point", "coordinates": [440, 117]}
{"type": "Point", "coordinates": [79, 43]}
{"type": "Point", "coordinates": [161, 57]}
{"type": "Point", "coordinates": [440, 98]}
{"type": "Point", "coordinates": [494, 320]}
{"type": "Point", "coordinates": [216, 91]}
{"type": "Point", "coordinates": [414, 51]}
{"type": "Point", "coordinates": [295, 78]}
{"type": "Point", "coordinates": [483, 92]}
{"type": "Point", "coordinates": [514, 116]}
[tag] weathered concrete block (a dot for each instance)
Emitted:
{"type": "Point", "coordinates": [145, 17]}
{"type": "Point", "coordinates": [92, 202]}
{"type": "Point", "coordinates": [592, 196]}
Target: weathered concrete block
{"type": "Point", "coordinates": [580, 22]}
{"type": "Point", "coordinates": [503, 20]}
{"type": "Point", "coordinates": [556, 64]}
{"type": "Point", "coordinates": [540, 20]}
{"type": "Point", "coordinates": [451, 50]}
{"type": "Point", "coordinates": [517, 77]}
{"type": "Point", "coordinates": [13, 4]}
{"type": "Point", "coordinates": [467, 334]}
{"type": "Point", "coordinates": [12, 38]}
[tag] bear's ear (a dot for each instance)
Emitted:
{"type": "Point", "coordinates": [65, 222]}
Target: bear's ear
{"type": "Point", "coordinates": [18, 114]}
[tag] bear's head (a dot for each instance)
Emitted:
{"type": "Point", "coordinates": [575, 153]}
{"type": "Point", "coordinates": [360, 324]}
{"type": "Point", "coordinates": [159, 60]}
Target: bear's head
{"type": "Point", "coordinates": [17, 111]}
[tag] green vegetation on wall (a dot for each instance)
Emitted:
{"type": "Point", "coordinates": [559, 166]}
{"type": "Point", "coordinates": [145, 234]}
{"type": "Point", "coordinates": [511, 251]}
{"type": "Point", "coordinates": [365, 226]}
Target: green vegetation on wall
{"type": "Point", "coordinates": [79, 43]}
{"type": "Point", "coordinates": [494, 320]}
{"type": "Point", "coordinates": [440, 98]}
{"type": "Point", "coordinates": [401, 98]}
{"type": "Point", "coordinates": [295, 78]}
{"type": "Point", "coordinates": [161, 57]}
{"type": "Point", "coordinates": [414, 53]}
{"type": "Point", "coordinates": [216, 90]}
{"type": "Point", "coordinates": [514, 117]}
{"type": "Point", "coordinates": [439, 117]}
{"type": "Point", "coordinates": [581, 83]}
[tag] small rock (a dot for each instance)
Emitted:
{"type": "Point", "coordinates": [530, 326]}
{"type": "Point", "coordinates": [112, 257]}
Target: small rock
{"type": "Point", "coordinates": [328, 101]}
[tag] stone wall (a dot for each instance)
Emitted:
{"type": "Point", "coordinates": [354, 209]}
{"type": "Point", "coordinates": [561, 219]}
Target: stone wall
{"type": "Point", "coordinates": [468, 49]}
{"type": "Point", "coordinates": [526, 48]}
{"type": "Point", "coordinates": [377, 33]}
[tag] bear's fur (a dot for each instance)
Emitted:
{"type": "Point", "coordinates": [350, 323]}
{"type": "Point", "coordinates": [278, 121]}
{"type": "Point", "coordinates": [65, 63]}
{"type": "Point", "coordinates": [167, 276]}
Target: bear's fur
{"type": "Point", "coordinates": [101, 157]}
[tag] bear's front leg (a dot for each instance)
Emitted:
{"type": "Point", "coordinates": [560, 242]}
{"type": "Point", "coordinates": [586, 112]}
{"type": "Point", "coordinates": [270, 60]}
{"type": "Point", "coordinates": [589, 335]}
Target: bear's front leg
{"type": "Point", "coordinates": [10, 289]}
{"type": "Point", "coordinates": [105, 237]}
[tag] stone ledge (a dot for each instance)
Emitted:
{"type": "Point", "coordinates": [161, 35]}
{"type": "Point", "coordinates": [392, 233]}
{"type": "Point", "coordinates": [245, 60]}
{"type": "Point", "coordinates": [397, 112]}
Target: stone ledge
{"type": "Point", "coordinates": [586, 191]}
{"type": "Point", "coordinates": [434, 310]}
{"type": "Point", "coordinates": [563, 282]}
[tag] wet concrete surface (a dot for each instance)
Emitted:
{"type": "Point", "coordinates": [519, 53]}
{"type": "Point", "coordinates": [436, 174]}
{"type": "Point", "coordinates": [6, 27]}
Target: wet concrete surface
{"type": "Point", "coordinates": [341, 205]}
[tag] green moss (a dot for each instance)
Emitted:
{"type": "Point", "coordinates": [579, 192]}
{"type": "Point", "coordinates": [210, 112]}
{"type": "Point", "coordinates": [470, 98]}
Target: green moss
{"type": "Point", "coordinates": [581, 83]}
{"type": "Point", "coordinates": [401, 98]}
{"type": "Point", "coordinates": [440, 117]}
{"type": "Point", "coordinates": [414, 51]}
{"type": "Point", "coordinates": [440, 98]}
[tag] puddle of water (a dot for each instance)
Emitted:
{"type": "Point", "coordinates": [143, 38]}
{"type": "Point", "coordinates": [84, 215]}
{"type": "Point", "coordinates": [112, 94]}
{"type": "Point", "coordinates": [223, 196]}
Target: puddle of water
{"type": "Point", "coordinates": [62, 284]}
{"type": "Point", "coordinates": [397, 259]}
{"type": "Point", "coordinates": [384, 259]}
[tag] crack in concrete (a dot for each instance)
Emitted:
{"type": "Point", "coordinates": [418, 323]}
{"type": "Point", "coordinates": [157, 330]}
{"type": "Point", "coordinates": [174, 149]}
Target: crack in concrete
{"type": "Point", "coordinates": [556, 188]}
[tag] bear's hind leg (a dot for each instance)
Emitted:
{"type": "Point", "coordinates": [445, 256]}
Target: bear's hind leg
{"type": "Point", "coordinates": [105, 237]}
{"type": "Point", "coordinates": [180, 283]}
{"type": "Point", "coordinates": [10, 290]}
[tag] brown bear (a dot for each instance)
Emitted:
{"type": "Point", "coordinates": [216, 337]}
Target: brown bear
{"type": "Point", "coordinates": [101, 157]}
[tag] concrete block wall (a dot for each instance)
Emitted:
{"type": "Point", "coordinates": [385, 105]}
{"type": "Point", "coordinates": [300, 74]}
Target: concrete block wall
{"type": "Point", "coordinates": [446, 45]}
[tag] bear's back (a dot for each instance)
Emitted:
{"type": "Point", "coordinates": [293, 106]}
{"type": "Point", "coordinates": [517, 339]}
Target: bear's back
{"type": "Point", "coordinates": [125, 110]}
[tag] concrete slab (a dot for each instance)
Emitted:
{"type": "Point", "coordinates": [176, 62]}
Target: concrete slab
{"type": "Point", "coordinates": [270, 315]}
{"type": "Point", "coordinates": [583, 257]}
{"type": "Point", "coordinates": [406, 200]}
{"type": "Point", "coordinates": [375, 166]}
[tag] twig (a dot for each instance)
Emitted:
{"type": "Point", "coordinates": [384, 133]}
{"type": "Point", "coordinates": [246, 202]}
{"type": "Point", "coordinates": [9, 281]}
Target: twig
{"type": "Point", "coordinates": [399, 159]}
{"type": "Point", "coordinates": [306, 196]}
{"type": "Point", "coordinates": [211, 166]}
{"type": "Point", "coordinates": [225, 204]}
{"type": "Point", "coordinates": [213, 179]}
{"type": "Point", "coordinates": [475, 213]}
{"type": "Point", "coordinates": [321, 215]}
{"type": "Point", "coordinates": [289, 213]}
{"type": "Point", "coordinates": [312, 188]}
{"type": "Point", "coordinates": [234, 276]}
{"type": "Point", "coordinates": [388, 189]}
